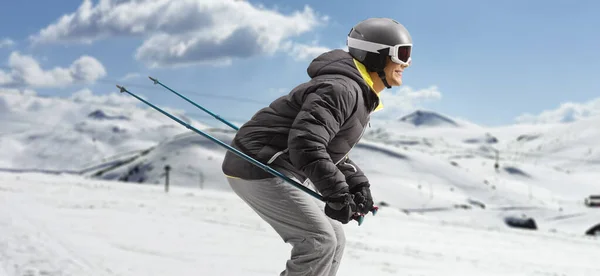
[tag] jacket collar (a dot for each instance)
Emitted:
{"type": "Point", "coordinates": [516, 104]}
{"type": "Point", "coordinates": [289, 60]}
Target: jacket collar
{"type": "Point", "coordinates": [365, 75]}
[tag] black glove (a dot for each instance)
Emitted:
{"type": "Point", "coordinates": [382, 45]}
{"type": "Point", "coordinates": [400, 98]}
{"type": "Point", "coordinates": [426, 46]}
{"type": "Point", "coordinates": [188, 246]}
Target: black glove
{"type": "Point", "coordinates": [362, 198]}
{"type": "Point", "coordinates": [340, 207]}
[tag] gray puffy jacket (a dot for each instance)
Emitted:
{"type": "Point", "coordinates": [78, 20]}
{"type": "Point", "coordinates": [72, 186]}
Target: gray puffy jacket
{"type": "Point", "coordinates": [309, 132]}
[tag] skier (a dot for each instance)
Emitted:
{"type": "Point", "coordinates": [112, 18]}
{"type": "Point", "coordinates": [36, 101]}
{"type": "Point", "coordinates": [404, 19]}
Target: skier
{"type": "Point", "coordinates": [307, 136]}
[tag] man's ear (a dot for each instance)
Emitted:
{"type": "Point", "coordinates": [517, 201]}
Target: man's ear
{"type": "Point", "coordinates": [388, 60]}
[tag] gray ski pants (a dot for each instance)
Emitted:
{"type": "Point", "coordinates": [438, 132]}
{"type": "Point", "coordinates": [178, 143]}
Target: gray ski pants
{"type": "Point", "coordinates": [317, 241]}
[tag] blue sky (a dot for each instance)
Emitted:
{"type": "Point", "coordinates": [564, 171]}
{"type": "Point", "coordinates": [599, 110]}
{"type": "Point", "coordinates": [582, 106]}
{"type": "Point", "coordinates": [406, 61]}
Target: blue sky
{"type": "Point", "coordinates": [490, 62]}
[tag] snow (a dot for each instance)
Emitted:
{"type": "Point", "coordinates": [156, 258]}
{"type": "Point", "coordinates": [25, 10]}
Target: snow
{"type": "Point", "coordinates": [182, 153]}
{"type": "Point", "coordinates": [427, 118]}
{"type": "Point", "coordinates": [70, 225]}
{"type": "Point", "coordinates": [81, 193]}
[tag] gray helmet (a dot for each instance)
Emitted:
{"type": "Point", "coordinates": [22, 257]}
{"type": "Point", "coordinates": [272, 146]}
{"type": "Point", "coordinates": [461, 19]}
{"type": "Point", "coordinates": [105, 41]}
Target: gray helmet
{"type": "Point", "coordinates": [371, 41]}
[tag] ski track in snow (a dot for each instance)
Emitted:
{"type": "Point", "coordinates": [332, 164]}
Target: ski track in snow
{"type": "Point", "coordinates": [52, 252]}
{"type": "Point", "coordinates": [65, 225]}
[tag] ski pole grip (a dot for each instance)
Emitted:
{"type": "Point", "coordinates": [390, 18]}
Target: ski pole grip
{"type": "Point", "coordinates": [359, 218]}
{"type": "Point", "coordinates": [374, 210]}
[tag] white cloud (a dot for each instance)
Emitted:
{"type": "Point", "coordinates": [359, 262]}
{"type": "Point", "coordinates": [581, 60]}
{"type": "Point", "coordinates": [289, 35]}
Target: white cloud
{"type": "Point", "coordinates": [130, 76]}
{"type": "Point", "coordinates": [183, 32]}
{"type": "Point", "coordinates": [6, 42]}
{"type": "Point", "coordinates": [112, 99]}
{"type": "Point", "coordinates": [565, 113]}
{"type": "Point", "coordinates": [26, 71]}
{"type": "Point", "coordinates": [304, 51]}
{"type": "Point", "coordinates": [405, 100]}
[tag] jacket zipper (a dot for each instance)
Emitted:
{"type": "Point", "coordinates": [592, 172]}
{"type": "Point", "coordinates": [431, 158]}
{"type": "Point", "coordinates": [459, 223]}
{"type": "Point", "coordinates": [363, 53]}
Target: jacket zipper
{"type": "Point", "coordinates": [361, 135]}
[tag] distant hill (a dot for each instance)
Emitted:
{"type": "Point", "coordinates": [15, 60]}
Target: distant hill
{"type": "Point", "coordinates": [428, 119]}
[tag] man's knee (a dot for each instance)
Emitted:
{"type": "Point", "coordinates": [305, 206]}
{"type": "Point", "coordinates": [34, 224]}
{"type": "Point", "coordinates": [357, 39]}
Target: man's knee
{"type": "Point", "coordinates": [327, 242]}
{"type": "Point", "coordinates": [338, 230]}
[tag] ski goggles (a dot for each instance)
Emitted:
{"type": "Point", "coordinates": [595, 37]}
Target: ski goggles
{"type": "Point", "coordinates": [399, 53]}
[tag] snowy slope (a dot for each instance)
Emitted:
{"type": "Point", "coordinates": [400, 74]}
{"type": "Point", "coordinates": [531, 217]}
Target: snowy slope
{"type": "Point", "coordinates": [443, 200]}
{"type": "Point", "coordinates": [445, 171]}
{"type": "Point", "coordinates": [69, 225]}
{"type": "Point", "coordinates": [409, 180]}
{"type": "Point", "coordinates": [544, 171]}
{"type": "Point", "coordinates": [572, 146]}
{"type": "Point", "coordinates": [194, 161]}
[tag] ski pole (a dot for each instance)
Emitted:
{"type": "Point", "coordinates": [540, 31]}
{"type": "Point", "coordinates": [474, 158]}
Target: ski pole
{"type": "Point", "coordinates": [358, 217]}
{"type": "Point", "coordinates": [156, 81]}
{"type": "Point", "coordinates": [195, 104]}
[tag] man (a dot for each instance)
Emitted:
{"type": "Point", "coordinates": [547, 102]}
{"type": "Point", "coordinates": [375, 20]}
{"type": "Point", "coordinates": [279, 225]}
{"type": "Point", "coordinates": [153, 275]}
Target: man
{"type": "Point", "coordinates": [307, 136]}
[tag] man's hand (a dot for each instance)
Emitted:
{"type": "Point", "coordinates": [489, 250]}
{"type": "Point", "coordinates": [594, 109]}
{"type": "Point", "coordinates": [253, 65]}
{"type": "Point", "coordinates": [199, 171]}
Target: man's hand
{"type": "Point", "coordinates": [362, 198]}
{"type": "Point", "coordinates": [340, 207]}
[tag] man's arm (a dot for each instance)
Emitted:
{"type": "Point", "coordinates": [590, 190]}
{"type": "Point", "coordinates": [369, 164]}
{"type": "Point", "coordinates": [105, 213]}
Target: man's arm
{"type": "Point", "coordinates": [355, 177]}
{"type": "Point", "coordinates": [320, 118]}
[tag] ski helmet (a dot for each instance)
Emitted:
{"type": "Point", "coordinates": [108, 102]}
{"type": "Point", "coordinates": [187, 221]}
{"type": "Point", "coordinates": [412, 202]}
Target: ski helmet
{"type": "Point", "coordinates": [372, 40]}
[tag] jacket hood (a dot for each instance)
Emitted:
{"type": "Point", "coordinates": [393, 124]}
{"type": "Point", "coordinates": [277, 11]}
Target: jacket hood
{"type": "Point", "coordinates": [335, 62]}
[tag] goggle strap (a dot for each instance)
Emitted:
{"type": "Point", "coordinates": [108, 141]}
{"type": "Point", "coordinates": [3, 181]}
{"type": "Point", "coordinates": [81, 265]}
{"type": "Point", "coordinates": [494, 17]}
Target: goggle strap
{"type": "Point", "coordinates": [366, 45]}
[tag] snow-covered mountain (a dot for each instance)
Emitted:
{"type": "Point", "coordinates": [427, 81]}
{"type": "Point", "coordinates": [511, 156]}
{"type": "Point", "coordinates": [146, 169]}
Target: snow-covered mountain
{"type": "Point", "coordinates": [194, 161]}
{"type": "Point", "coordinates": [467, 182]}
{"type": "Point", "coordinates": [424, 118]}
{"type": "Point", "coordinates": [543, 171]}
{"type": "Point", "coordinates": [72, 133]}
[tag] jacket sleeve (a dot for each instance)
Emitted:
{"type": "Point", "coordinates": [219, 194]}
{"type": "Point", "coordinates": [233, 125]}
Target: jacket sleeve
{"type": "Point", "coordinates": [355, 177]}
{"type": "Point", "coordinates": [322, 114]}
